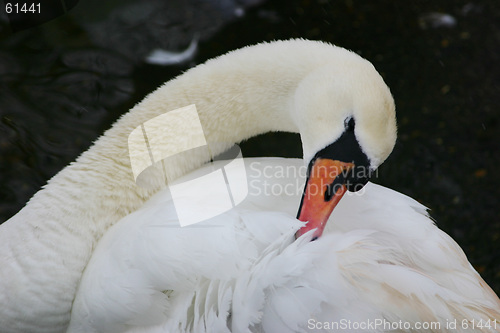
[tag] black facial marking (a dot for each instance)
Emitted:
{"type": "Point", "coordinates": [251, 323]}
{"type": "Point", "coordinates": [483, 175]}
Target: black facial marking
{"type": "Point", "coordinates": [328, 194]}
{"type": "Point", "coordinates": [347, 149]}
{"type": "Point", "coordinates": [332, 188]}
{"type": "Point", "coordinates": [349, 124]}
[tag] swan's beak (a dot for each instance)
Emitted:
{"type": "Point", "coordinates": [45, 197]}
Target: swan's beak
{"type": "Point", "coordinates": [324, 188]}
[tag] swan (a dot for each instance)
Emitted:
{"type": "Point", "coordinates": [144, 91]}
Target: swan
{"type": "Point", "coordinates": [93, 251]}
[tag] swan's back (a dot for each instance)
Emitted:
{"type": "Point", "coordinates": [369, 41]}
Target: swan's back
{"type": "Point", "coordinates": [380, 261]}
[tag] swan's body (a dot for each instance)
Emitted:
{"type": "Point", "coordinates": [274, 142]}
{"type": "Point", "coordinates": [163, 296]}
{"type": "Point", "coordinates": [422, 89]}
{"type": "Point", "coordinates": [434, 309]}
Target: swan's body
{"type": "Point", "coordinates": [381, 260]}
{"type": "Point", "coordinates": [298, 86]}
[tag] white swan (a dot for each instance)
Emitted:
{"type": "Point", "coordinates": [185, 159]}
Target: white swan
{"type": "Point", "coordinates": [344, 112]}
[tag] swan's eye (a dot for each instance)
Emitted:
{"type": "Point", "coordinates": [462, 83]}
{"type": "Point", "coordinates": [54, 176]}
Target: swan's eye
{"type": "Point", "coordinates": [349, 124]}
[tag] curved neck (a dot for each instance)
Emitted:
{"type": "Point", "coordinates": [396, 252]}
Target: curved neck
{"type": "Point", "coordinates": [237, 96]}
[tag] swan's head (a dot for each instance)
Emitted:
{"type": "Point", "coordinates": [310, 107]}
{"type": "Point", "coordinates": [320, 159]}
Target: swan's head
{"type": "Point", "coordinates": [346, 117]}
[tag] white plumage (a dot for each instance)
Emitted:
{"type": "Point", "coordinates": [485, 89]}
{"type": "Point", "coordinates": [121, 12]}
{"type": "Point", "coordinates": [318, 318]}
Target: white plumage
{"type": "Point", "coordinates": [95, 249]}
{"type": "Point", "coordinates": [381, 261]}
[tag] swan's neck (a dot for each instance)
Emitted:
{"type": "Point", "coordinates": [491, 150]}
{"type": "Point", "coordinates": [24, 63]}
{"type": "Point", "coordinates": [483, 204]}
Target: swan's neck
{"type": "Point", "coordinates": [46, 246]}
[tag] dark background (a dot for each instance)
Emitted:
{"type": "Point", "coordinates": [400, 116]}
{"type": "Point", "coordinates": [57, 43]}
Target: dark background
{"type": "Point", "coordinates": [64, 82]}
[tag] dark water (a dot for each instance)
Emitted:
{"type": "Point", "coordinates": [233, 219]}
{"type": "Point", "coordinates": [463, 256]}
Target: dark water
{"type": "Point", "coordinates": [63, 83]}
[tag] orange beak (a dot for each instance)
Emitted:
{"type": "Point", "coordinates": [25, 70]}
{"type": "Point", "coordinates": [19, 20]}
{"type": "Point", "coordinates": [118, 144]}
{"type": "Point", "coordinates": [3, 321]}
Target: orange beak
{"type": "Point", "coordinates": [324, 188]}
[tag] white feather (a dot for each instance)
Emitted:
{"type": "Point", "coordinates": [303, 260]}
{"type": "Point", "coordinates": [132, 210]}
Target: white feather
{"type": "Point", "coordinates": [381, 259]}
